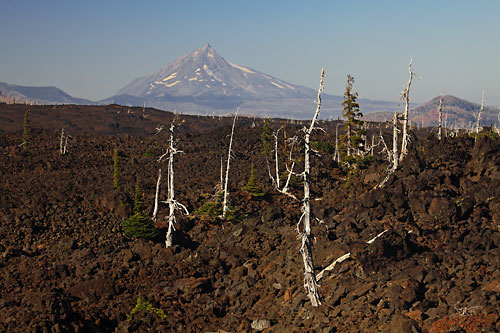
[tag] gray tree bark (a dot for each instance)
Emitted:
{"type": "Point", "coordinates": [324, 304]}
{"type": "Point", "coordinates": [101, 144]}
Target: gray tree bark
{"type": "Point", "coordinates": [310, 283]}
{"type": "Point", "coordinates": [224, 203]}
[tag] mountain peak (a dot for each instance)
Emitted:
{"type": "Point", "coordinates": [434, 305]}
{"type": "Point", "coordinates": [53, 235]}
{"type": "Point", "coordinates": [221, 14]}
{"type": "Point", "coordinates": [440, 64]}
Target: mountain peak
{"type": "Point", "coordinates": [205, 75]}
{"type": "Point", "coordinates": [203, 52]}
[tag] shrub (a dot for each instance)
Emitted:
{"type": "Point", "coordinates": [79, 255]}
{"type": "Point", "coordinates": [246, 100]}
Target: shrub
{"type": "Point", "coordinates": [210, 208]}
{"type": "Point", "coordinates": [144, 305]}
{"type": "Point", "coordinates": [149, 153]}
{"type": "Point", "coordinates": [323, 147]}
{"type": "Point", "coordinates": [139, 226]}
{"type": "Point", "coordinates": [252, 187]}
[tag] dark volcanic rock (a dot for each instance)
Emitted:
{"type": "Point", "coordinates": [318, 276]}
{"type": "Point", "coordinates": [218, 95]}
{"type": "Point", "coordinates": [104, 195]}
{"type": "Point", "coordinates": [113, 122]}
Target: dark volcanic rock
{"type": "Point", "coordinates": [66, 264]}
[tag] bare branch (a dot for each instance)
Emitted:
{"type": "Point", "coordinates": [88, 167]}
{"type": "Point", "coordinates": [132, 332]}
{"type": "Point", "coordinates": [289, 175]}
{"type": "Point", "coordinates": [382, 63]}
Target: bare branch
{"type": "Point", "coordinates": [406, 95]}
{"type": "Point", "coordinates": [344, 257]}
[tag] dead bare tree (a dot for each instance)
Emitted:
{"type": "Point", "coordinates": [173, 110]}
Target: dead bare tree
{"type": "Point", "coordinates": [392, 156]}
{"type": "Point", "coordinates": [479, 114]}
{"type": "Point", "coordinates": [310, 283]}
{"type": "Point", "coordinates": [275, 136]}
{"type": "Point", "coordinates": [498, 127]}
{"type": "Point", "coordinates": [276, 179]}
{"type": "Point", "coordinates": [224, 203]}
{"type": "Point", "coordinates": [219, 187]}
{"type": "Point", "coordinates": [440, 112]}
{"type": "Point", "coordinates": [373, 145]}
{"type": "Point", "coordinates": [157, 194]}
{"type": "Point", "coordinates": [172, 203]}
{"type": "Point", "coordinates": [405, 94]}
{"type": "Point", "coordinates": [63, 143]}
{"type": "Point", "coordinates": [336, 155]}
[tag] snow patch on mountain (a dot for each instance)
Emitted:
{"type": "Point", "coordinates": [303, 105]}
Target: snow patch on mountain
{"type": "Point", "coordinates": [243, 69]}
{"type": "Point", "coordinates": [277, 85]}
{"type": "Point", "coordinates": [171, 76]}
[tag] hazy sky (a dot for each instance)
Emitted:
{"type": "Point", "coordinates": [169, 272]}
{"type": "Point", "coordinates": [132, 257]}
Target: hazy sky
{"type": "Point", "coordinates": [91, 49]}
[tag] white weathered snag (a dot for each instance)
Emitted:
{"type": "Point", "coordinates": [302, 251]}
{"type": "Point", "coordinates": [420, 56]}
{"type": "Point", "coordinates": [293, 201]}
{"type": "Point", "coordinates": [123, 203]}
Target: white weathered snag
{"type": "Point", "coordinates": [393, 157]}
{"type": "Point", "coordinates": [336, 155]}
{"type": "Point", "coordinates": [395, 130]}
{"type": "Point", "coordinates": [172, 203]}
{"type": "Point", "coordinates": [406, 95]}
{"type": "Point", "coordinates": [275, 135]}
{"type": "Point", "coordinates": [157, 194]}
{"type": "Point", "coordinates": [310, 283]}
{"type": "Point", "coordinates": [478, 125]}
{"type": "Point", "coordinates": [276, 179]}
{"type": "Point", "coordinates": [63, 143]}
{"type": "Point", "coordinates": [498, 127]}
{"type": "Point", "coordinates": [440, 112]}
{"type": "Point", "coordinates": [224, 203]}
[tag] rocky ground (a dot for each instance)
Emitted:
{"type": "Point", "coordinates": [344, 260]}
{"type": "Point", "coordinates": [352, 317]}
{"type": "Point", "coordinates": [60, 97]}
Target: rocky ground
{"type": "Point", "coordinates": [66, 264]}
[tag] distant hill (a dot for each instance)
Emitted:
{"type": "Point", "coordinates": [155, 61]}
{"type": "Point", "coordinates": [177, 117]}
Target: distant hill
{"type": "Point", "coordinates": [456, 112]}
{"type": "Point", "coordinates": [10, 93]}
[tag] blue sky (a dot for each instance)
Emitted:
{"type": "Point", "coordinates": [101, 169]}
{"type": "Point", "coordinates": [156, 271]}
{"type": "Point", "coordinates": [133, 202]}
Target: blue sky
{"type": "Point", "coordinates": [91, 48]}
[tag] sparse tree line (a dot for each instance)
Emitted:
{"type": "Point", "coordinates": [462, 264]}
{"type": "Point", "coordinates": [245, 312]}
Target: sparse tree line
{"type": "Point", "coordinates": [352, 147]}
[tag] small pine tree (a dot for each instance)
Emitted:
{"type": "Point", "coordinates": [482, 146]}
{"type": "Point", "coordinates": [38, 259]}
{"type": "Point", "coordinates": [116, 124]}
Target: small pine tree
{"type": "Point", "coordinates": [138, 198]}
{"type": "Point", "coordinates": [352, 115]}
{"type": "Point", "coordinates": [139, 225]}
{"type": "Point", "coordinates": [252, 187]}
{"type": "Point", "coordinates": [26, 133]}
{"type": "Point", "coordinates": [116, 169]}
{"type": "Point", "coordinates": [266, 137]}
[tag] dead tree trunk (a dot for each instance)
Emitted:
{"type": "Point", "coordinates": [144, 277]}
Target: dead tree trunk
{"type": "Point", "coordinates": [395, 157]}
{"type": "Point", "coordinates": [336, 156]}
{"type": "Point", "coordinates": [157, 195]}
{"type": "Point", "coordinates": [392, 156]}
{"type": "Point", "coordinates": [61, 143]}
{"type": "Point", "coordinates": [172, 203]}
{"type": "Point", "coordinates": [478, 125]}
{"type": "Point", "coordinates": [276, 181]}
{"type": "Point", "coordinates": [406, 95]}
{"type": "Point", "coordinates": [275, 135]}
{"type": "Point", "coordinates": [224, 203]}
{"type": "Point", "coordinates": [440, 112]}
{"type": "Point", "coordinates": [310, 283]}
{"type": "Point", "coordinates": [498, 127]}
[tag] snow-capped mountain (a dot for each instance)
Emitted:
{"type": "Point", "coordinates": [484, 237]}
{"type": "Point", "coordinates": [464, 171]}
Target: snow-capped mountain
{"type": "Point", "coordinates": [203, 82]}
{"type": "Point", "coordinates": [205, 73]}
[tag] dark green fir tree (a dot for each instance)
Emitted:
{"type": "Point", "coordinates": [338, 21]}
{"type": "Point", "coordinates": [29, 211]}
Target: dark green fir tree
{"type": "Point", "coordinates": [352, 118]}
{"type": "Point", "coordinates": [26, 133]}
{"type": "Point", "coordinates": [116, 169]}
{"type": "Point", "coordinates": [139, 225]}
